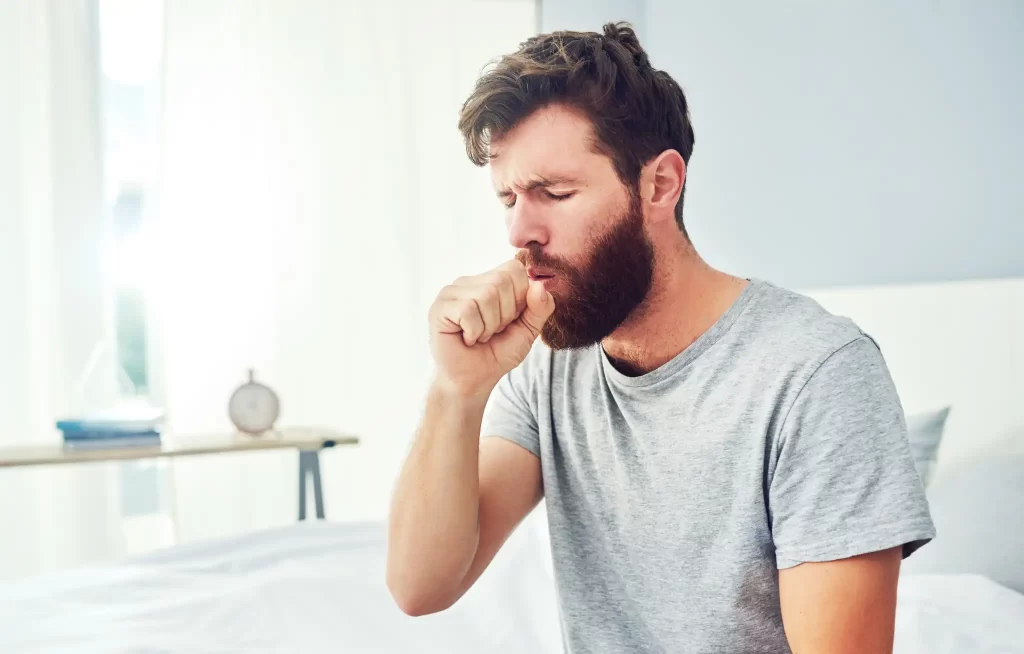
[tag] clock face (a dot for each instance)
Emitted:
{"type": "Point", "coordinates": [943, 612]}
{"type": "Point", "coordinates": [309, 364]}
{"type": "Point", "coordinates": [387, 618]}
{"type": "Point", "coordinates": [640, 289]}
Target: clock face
{"type": "Point", "coordinates": [253, 408]}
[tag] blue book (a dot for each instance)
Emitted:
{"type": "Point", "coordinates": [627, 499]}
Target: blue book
{"type": "Point", "coordinates": [121, 441]}
{"type": "Point", "coordinates": [119, 421]}
{"type": "Point", "coordinates": [110, 435]}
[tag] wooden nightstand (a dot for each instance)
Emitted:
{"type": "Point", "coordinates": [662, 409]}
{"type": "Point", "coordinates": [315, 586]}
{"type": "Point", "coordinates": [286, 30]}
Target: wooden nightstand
{"type": "Point", "coordinates": [309, 443]}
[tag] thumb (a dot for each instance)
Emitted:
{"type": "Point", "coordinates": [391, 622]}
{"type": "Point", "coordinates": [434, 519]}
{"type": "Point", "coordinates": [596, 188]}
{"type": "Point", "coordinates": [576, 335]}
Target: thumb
{"type": "Point", "coordinates": [540, 304]}
{"type": "Point", "coordinates": [513, 344]}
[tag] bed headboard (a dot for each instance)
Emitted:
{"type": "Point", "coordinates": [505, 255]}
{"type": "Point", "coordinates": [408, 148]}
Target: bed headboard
{"type": "Point", "coordinates": [957, 344]}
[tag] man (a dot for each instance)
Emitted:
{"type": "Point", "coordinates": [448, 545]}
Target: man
{"type": "Point", "coordinates": [725, 464]}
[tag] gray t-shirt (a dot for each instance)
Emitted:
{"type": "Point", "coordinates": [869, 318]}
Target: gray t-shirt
{"type": "Point", "coordinates": [673, 498]}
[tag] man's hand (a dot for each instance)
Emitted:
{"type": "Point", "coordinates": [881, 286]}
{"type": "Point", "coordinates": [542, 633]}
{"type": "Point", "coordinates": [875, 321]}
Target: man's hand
{"type": "Point", "coordinates": [457, 499]}
{"type": "Point", "coordinates": [841, 606]}
{"type": "Point", "coordinates": [483, 326]}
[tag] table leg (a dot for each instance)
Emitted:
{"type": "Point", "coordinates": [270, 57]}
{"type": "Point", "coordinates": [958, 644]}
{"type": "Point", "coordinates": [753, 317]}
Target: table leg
{"type": "Point", "coordinates": [309, 465]}
{"type": "Point", "coordinates": [302, 485]}
{"type": "Point", "coordinates": [318, 490]}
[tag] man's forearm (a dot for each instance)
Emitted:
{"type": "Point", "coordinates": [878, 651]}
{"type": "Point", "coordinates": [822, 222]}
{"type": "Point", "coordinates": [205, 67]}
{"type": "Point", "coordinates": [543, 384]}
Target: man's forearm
{"type": "Point", "coordinates": [433, 531]}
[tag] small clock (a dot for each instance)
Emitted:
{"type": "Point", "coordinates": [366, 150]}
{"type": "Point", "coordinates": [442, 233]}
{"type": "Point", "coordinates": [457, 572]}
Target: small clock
{"type": "Point", "coordinates": [254, 407]}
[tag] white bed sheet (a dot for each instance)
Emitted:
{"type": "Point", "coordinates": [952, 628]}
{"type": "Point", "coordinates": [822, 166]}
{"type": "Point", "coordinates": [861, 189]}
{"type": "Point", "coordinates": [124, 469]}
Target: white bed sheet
{"type": "Point", "coordinates": [319, 588]}
{"type": "Point", "coordinates": [309, 588]}
{"type": "Point", "coordinates": [958, 614]}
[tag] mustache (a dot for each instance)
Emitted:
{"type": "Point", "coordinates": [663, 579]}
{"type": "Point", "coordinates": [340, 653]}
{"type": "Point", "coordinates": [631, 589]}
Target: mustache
{"type": "Point", "coordinates": [532, 255]}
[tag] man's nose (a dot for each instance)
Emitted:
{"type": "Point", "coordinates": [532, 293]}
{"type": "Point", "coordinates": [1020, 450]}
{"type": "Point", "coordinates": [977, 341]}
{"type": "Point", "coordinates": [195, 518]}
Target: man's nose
{"type": "Point", "coordinates": [526, 225]}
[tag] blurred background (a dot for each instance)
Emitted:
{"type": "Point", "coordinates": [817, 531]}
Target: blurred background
{"type": "Point", "coordinates": [193, 188]}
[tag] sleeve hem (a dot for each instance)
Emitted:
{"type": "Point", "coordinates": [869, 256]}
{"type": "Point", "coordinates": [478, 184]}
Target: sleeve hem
{"type": "Point", "coordinates": [527, 443]}
{"type": "Point", "coordinates": [911, 536]}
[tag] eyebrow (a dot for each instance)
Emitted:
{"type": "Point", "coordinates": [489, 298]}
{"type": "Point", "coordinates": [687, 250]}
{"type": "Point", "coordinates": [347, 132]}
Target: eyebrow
{"type": "Point", "coordinates": [541, 182]}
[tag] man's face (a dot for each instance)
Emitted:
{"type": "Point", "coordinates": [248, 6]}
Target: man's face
{"type": "Point", "coordinates": [577, 228]}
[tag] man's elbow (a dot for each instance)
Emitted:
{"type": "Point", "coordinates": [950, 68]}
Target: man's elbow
{"type": "Point", "coordinates": [414, 600]}
{"type": "Point", "coordinates": [417, 606]}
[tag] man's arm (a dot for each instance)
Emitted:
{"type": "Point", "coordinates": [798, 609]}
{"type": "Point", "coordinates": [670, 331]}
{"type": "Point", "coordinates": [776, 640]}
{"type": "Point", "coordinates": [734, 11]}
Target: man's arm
{"type": "Point", "coordinates": [457, 498]}
{"type": "Point", "coordinates": [456, 502]}
{"type": "Point", "coordinates": [846, 504]}
{"type": "Point", "coordinates": [844, 606]}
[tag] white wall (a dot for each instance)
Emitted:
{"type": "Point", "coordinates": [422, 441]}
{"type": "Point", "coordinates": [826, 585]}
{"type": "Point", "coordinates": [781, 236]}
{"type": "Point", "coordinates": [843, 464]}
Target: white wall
{"type": "Point", "coordinates": [306, 259]}
{"type": "Point", "coordinates": [951, 344]}
{"type": "Point", "coordinates": [852, 143]}
{"type": "Point", "coordinates": [842, 143]}
{"type": "Point", "coordinates": [588, 14]}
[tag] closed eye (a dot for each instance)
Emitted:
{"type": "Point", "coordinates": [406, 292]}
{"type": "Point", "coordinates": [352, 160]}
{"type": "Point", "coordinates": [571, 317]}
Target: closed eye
{"type": "Point", "coordinates": [559, 196]}
{"type": "Point", "coordinates": [509, 199]}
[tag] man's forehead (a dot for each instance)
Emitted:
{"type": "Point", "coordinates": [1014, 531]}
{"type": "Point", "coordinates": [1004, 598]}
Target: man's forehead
{"type": "Point", "coordinates": [549, 130]}
{"type": "Point", "coordinates": [550, 145]}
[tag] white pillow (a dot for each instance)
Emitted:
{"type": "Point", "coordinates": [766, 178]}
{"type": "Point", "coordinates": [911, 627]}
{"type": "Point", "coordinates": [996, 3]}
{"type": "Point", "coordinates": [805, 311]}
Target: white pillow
{"type": "Point", "coordinates": [925, 433]}
{"type": "Point", "coordinates": [978, 511]}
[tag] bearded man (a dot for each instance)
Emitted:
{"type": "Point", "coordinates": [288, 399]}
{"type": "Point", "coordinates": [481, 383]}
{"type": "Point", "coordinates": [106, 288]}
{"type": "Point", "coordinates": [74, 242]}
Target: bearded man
{"type": "Point", "coordinates": [725, 464]}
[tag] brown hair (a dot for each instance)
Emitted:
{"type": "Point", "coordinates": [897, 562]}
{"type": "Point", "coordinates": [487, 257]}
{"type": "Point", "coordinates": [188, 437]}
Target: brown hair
{"type": "Point", "coordinates": [637, 112]}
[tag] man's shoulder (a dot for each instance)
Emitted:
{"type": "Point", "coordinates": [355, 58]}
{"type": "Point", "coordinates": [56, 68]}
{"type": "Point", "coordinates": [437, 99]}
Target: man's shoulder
{"type": "Point", "coordinates": [784, 337]}
{"type": "Point", "coordinates": [790, 325]}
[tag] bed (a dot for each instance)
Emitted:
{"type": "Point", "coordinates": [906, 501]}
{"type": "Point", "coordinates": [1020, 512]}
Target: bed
{"type": "Point", "coordinates": [319, 587]}
{"type": "Point", "coordinates": [312, 587]}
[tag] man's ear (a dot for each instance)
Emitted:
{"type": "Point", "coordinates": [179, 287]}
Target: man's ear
{"type": "Point", "coordinates": [663, 183]}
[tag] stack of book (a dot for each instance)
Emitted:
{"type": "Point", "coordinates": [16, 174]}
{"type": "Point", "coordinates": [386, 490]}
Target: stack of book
{"type": "Point", "coordinates": [116, 428]}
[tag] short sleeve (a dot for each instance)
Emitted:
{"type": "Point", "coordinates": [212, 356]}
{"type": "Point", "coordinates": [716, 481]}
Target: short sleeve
{"type": "Point", "coordinates": [511, 411]}
{"type": "Point", "coordinates": [844, 482]}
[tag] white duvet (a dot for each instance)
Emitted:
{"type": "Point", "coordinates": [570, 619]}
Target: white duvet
{"type": "Point", "coordinates": [316, 587]}
{"type": "Point", "coordinates": [954, 614]}
{"type": "Point", "coordinates": [319, 588]}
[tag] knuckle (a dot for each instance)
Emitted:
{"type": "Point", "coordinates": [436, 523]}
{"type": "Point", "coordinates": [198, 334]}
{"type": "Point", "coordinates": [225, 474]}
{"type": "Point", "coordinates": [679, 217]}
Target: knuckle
{"type": "Point", "coordinates": [437, 307]}
{"type": "Point", "coordinates": [489, 295]}
{"type": "Point", "coordinates": [446, 293]}
{"type": "Point", "coordinates": [507, 281]}
{"type": "Point", "coordinates": [493, 278]}
{"type": "Point", "coordinates": [465, 308]}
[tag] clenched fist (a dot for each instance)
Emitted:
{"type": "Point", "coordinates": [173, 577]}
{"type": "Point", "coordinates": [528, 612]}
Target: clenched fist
{"type": "Point", "coordinates": [483, 326]}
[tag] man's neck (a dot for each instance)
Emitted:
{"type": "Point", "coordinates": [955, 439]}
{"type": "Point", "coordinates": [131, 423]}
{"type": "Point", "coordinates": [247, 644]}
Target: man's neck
{"type": "Point", "coordinates": [687, 297]}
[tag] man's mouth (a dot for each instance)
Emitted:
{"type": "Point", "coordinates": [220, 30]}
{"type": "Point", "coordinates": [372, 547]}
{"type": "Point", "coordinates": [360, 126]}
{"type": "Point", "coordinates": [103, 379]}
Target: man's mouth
{"type": "Point", "coordinates": [539, 274]}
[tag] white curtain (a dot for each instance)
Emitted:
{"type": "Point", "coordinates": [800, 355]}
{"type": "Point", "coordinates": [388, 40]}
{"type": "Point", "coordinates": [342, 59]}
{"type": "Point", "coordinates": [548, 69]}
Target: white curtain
{"type": "Point", "coordinates": [52, 299]}
{"type": "Point", "coordinates": [315, 196]}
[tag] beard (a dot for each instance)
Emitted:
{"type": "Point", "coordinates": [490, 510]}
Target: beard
{"type": "Point", "coordinates": [601, 294]}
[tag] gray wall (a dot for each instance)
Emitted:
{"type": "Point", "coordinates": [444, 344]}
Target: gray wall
{"type": "Point", "coordinates": [588, 14]}
{"type": "Point", "coordinates": [843, 143]}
